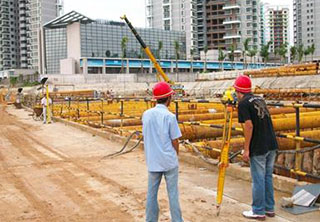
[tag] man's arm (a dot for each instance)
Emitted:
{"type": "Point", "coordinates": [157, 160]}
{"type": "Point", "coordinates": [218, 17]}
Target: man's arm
{"type": "Point", "coordinates": [247, 131]}
{"type": "Point", "coordinates": [175, 144]}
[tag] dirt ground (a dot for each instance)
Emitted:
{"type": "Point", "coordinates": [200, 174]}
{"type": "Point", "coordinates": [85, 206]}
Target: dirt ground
{"type": "Point", "coordinates": [54, 173]}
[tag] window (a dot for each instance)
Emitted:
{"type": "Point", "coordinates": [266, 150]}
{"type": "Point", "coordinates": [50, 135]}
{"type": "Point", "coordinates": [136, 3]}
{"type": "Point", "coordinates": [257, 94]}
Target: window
{"type": "Point", "coordinates": [166, 11]}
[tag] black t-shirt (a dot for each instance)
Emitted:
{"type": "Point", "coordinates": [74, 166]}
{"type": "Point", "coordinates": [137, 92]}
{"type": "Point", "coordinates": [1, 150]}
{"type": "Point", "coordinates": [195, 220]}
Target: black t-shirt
{"type": "Point", "coordinates": [263, 137]}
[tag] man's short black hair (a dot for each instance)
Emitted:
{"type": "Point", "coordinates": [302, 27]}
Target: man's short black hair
{"type": "Point", "coordinates": [163, 100]}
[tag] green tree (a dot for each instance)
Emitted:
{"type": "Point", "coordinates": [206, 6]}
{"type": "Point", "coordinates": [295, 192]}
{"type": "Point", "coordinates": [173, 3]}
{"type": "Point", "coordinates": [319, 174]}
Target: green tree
{"type": "Point", "coordinates": [300, 51]}
{"type": "Point", "coordinates": [264, 52]}
{"type": "Point", "coordinates": [283, 52]}
{"type": "Point", "coordinates": [245, 50]}
{"type": "Point", "coordinates": [124, 42]}
{"type": "Point", "coordinates": [221, 58]}
{"type": "Point", "coordinates": [141, 57]}
{"type": "Point", "coordinates": [312, 50]}
{"type": "Point", "coordinates": [160, 46]}
{"type": "Point", "coordinates": [191, 58]}
{"type": "Point", "coordinates": [306, 52]}
{"type": "Point", "coordinates": [231, 55]}
{"type": "Point", "coordinates": [177, 53]}
{"type": "Point", "coordinates": [13, 81]}
{"type": "Point", "coordinates": [293, 53]}
{"type": "Point", "coordinates": [252, 53]}
{"type": "Point", "coordinates": [205, 50]}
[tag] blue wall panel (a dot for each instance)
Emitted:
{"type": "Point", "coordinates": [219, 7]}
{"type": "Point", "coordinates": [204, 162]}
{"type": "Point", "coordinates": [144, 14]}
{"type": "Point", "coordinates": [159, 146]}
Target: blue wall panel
{"type": "Point", "coordinates": [136, 63]}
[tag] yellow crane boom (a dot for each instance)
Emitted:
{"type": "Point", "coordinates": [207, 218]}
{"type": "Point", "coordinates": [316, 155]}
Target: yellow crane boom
{"type": "Point", "coordinates": [160, 72]}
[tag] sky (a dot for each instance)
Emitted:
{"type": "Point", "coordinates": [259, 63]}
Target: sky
{"type": "Point", "coordinates": [134, 9]}
{"type": "Point", "coordinates": [109, 9]}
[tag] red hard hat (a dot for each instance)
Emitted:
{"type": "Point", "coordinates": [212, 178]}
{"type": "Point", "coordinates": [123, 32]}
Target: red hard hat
{"type": "Point", "coordinates": [162, 90]}
{"type": "Point", "coordinates": [242, 84]}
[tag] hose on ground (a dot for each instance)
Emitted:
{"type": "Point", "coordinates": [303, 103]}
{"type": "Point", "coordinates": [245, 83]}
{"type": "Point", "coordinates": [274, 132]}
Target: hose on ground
{"type": "Point", "coordinates": [196, 150]}
{"type": "Point", "coordinates": [121, 151]}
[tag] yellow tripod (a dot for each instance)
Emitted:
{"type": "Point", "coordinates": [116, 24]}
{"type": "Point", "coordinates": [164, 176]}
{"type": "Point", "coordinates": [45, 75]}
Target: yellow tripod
{"type": "Point", "coordinates": [48, 105]}
{"type": "Point", "coordinates": [224, 157]}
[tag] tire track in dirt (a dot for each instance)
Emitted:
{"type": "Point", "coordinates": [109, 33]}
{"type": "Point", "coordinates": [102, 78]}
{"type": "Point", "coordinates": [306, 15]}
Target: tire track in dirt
{"type": "Point", "coordinates": [25, 144]}
{"type": "Point", "coordinates": [127, 197]}
{"type": "Point", "coordinates": [41, 206]}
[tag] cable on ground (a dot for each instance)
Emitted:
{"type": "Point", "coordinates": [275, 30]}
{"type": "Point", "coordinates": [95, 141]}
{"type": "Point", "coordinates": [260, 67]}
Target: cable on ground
{"type": "Point", "coordinates": [121, 151]}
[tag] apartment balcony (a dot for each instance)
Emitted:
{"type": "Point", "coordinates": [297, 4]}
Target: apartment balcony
{"type": "Point", "coordinates": [231, 21]}
{"type": "Point", "coordinates": [149, 2]}
{"type": "Point", "coordinates": [4, 4]}
{"type": "Point", "coordinates": [22, 6]}
{"type": "Point", "coordinates": [4, 10]}
{"type": "Point", "coordinates": [232, 36]}
{"type": "Point", "coordinates": [231, 6]}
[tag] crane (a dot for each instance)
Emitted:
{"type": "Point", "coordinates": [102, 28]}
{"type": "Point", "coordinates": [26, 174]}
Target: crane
{"type": "Point", "coordinates": [160, 73]}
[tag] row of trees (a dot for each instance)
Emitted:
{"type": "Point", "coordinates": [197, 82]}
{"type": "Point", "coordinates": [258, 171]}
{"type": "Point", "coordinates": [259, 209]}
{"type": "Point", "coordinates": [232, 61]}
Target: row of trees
{"type": "Point", "coordinates": [124, 42]}
{"type": "Point", "coordinates": [300, 51]}
{"type": "Point", "coordinates": [296, 53]}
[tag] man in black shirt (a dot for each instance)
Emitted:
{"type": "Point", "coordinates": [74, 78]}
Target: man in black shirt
{"type": "Point", "coordinates": [259, 148]}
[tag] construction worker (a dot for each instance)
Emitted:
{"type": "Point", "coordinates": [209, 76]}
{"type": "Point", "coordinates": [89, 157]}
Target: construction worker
{"type": "Point", "coordinates": [161, 132]}
{"type": "Point", "coordinates": [44, 107]}
{"type": "Point", "coordinates": [259, 148]}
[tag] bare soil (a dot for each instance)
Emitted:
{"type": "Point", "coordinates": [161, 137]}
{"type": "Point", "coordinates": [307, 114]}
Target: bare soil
{"type": "Point", "coordinates": [54, 173]}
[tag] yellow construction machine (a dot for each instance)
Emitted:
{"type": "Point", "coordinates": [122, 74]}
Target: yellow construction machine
{"type": "Point", "coordinates": [178, 88]}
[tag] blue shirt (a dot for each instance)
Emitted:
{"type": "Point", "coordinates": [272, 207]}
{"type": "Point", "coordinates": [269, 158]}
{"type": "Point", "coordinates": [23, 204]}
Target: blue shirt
{"type": "Point", "coordinates": [160, 127]}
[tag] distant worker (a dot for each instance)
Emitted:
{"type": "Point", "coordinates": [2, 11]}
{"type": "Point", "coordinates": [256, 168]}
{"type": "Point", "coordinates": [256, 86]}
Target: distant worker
{"type": "Point", "coordinates": [259, 148]}
{"type": "Point", "coordinates": [161, 133]}
{"type": "Point", "coordinates": [44, 107]}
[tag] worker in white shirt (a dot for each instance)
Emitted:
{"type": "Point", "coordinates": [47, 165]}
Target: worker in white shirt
{"type": "Point", "coordinates": [44, 107]}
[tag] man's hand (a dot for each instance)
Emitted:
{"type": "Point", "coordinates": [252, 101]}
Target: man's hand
{"type": "Point", "coordinates": [246, 155]}
{"type": "Point", "coordinates": [175, 144]}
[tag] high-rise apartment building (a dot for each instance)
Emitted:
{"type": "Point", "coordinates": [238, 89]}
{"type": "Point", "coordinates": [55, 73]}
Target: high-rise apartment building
{"type": "Point", "coordinates": [20, 25]}
{"type": "Point", "coordinates": [230, 22]}
{"type": "Point", "coordinates": [307, 24]}
{"type": "Point", "coordinates": [9, 36]}
{"type": "Point", "coordinates": [178, 15]}
{"type": "Point", "coordinates": [277, 27]}
{"type": "Point", "coordinates": [263, 24]}
{"type": "Point", "coordinates": [202, 27]}
{"type": "Point", "coordinates": [40, 12]}
{"type": "Point", "coordinates": [215, 17]}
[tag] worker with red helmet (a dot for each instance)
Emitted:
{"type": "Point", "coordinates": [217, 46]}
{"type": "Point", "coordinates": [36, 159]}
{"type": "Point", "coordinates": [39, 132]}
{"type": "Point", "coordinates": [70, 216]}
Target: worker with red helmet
{"type": "Point", "coordinates": [259, 148]}
{"type": "Point", "coordinates": [161, 133]}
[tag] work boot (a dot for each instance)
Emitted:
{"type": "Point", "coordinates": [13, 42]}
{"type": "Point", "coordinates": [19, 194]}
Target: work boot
{"type": "Point", "coordinates": [250, 215]}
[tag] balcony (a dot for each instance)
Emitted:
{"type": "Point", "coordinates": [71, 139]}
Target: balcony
{"type": "Point", "coordinates": [4, 4]}
{"type": "Point", "coordinates": [231, 21]}
{"type": "Point", "coordinates": [231, 6]}
{"type": "Point", "coordinates": [149, 2]}
{"type": "Point", "coordinates": [232, 36]}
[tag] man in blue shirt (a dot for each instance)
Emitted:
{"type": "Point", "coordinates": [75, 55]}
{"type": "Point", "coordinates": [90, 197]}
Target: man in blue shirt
{"type": "Point", "coordinates": [161, 133]}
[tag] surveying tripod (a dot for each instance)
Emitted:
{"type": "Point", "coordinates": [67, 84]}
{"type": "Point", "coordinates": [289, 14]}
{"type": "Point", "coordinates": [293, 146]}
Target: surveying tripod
{"type": "Point", "coordinates": [229, 101]}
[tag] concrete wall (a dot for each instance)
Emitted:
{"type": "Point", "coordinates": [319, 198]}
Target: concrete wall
{"type": "Point", "coordinates": [116, 78]}
{"type": "Point", "coordinates": [127, 84]}
{"type": "Point", "coordinates": [74, 43]}
{"type": "Point", "coordinates": [68, 66]}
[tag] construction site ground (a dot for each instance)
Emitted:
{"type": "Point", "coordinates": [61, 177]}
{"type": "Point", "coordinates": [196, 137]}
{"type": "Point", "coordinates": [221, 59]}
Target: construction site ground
{"type": "Point", "coordinates": [54, 173]}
